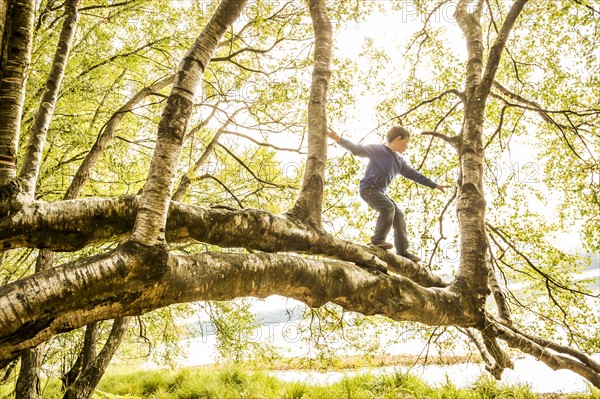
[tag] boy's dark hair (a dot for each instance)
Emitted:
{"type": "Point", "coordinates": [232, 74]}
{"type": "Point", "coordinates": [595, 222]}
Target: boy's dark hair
{"type": "Point", "coordinates": [395, 132]}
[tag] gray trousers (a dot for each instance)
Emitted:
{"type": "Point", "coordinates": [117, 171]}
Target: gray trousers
{"type": "Point", "coordinates": [390, 216]}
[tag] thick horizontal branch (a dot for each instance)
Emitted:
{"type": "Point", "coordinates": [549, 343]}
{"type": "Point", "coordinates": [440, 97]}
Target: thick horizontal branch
{"type": "Point", "coordinates": [74, 224]}
{"type": "Point", "coordinates": [135, 279]}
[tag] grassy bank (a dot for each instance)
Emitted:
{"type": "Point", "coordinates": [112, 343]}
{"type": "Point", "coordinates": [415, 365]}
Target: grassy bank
{"type": "Point", "coordinates": [229, 382]}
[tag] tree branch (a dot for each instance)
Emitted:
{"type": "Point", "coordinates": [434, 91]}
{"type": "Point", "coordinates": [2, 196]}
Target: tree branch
{"type": "Point", "coordinates": [123, 55]}
{"type": "Point", "coordinates": [207, 176]}
{"type": "Point", "coordinates": [134, 279]}
{"type": "Point", "coordinates": [454, 141]}
{"type": "Point", "coordinates": [546, 276]}
{"type": "Point", "coordinates": [107, 133]}
{"type": "Point", "coordinates": [247, 49]}
{"type": "Point", "coordinates": [71, 225]}
{"type": "Point", "coordinates": [243, 164]}
{"type": "Point", "coordinates": [503, 309]}
{"type": "Point", "coordinates": [501, 359]}
{"type": "Point", "coordinates": [582, 357]}
{"type": "Point", "coordinates": [123, 3]}
{"type": "Point", "coordinates": [495, 53]}
{"type": "Point", "coordinates": [184, 183]}
{"type": "Point", "coordinates": [263, 144]}
{"type": "Point", "coordinates": [554, 361]}
{"type": "Point", "coordinates": [546, 116]}
{"type": "Point", "coordinates": [90, 376]}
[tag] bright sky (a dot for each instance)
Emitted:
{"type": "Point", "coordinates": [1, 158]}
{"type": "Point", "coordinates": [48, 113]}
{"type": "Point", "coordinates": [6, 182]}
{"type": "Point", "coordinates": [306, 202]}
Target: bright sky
{"type": "Point", "coordinates": [389, 31]}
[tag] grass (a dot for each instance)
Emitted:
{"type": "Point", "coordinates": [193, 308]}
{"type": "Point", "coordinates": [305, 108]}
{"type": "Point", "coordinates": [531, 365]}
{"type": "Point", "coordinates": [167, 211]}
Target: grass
{"type": "Point", "coordinates": [235, 383]}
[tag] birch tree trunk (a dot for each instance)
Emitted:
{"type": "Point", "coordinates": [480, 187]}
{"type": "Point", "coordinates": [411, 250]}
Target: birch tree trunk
{"type": "Point", "coordinates": [19, 32]}
{"type": "Point", "coordinates": [28, 382]}
{"type": "Point", "coordinates": [37, 138]}
{"type": "Point", "coordinates": [472, 276]}
{"type": "Point", "coordinates": [29, 375]}
{"type": "Point", "coordinates": [471, 279]}
{"type": "Point", "coordinates": [4, 5]}
{"type": "Point", "coordinates": [107, 133]}
{"type": "Point", "coordinates": [150, 223]}
{"type": "Point", "coordinates": [309, 205]}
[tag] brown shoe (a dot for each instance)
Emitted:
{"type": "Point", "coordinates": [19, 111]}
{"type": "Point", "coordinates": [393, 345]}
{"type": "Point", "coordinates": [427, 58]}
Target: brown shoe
{"type": "Point", "coordinates": [382, 244]}
{"type": "Point", "coordinates": [410, 256]}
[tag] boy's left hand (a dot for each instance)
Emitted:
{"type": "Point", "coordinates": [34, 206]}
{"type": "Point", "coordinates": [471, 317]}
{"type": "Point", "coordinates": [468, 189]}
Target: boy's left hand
{"type": "Point", "coordinates": [442, 188]}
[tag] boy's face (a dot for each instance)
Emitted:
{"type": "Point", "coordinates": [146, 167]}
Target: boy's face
{"type": "Point", "coordinates": [399, 145]}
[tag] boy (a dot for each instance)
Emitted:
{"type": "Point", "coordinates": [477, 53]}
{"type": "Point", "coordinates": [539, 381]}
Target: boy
{"type": "Point", "coordinates": [384, 165]}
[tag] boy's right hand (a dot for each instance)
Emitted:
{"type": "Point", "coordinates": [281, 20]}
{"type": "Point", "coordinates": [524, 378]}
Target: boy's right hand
{"type": "Point", "coordinates": [333, 135]}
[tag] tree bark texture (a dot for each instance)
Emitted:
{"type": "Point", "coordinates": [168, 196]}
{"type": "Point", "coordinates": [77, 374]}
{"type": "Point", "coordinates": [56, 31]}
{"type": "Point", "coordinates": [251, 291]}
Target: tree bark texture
{"type": "Point", "coordinates": [4, 6]}
{"type": "Point", "coordinates": [135, 279]}
{"type": "Point", "coordinates": [470, 208]}
{"type": "Point", "coordinates": [37, 137]}
{"type": "Point", "coordinates": [472, 276]}
{"type": "Point", "coordinates": [152, 215]}
{"type": "Point", "coordinates": [309, 205]}
{"type": "Point", "coordinates": [140, 275]}
{"type": "Point", "coordinates": [28, 383]}
{"type": "Point", "coordinates": [8, 371]}
{"type": "Point", "coordinates": [71, 225]}
{"type": "Point", "coordinates": [85, 357]}
{"type": "Point", "coordinates": [89, 345]}
{"type": "Point", "coordinates": [589, 370]}
{"type": "Point", "coordinates": [95, 278]}
{"type": "Point", "coordinates": [19, 36]}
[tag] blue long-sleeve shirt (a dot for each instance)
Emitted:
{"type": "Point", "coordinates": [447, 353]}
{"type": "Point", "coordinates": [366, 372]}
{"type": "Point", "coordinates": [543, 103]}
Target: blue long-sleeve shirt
{"type": "Point", "coordinates": [383, 166]}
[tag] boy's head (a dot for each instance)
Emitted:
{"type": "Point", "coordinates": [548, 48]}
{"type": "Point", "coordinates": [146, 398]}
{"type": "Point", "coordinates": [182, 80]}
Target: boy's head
{"type": "Point", "coordinates": [398, 138]}
{"type": "Point", "coordinates": [395, 132]}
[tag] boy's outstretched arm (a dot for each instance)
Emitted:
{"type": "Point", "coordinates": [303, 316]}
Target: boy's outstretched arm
{"type": "Point", "coordinates": [356, 149]}
{"type": "Point", "coordinates": [442, 187]}
{"type": "Point", "coordinates": [416, 176]}
{"type": "Point", "coordinates": [333, 135]}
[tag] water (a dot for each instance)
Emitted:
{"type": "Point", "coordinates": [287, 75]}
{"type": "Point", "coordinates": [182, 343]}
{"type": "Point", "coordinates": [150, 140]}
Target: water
{"type": "Point", "coordinates": [528, 371]}
{"type": "Point", "coordinates": [281, 328]}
